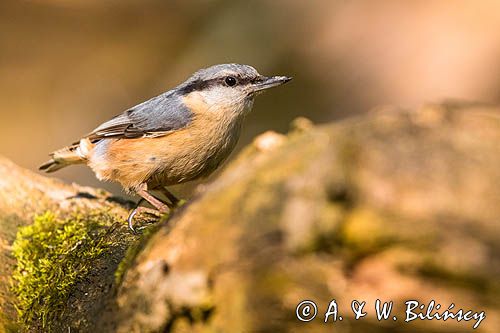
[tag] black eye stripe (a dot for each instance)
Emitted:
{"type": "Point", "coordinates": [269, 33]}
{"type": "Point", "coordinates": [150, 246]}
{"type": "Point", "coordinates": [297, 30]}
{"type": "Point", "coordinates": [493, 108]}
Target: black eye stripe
{"type": "Point", "coordinates": [195, 86]}
{"type": "Point", "coordinates": [199, 85]}
{"type": "Point", "coordinates": [247, 80]}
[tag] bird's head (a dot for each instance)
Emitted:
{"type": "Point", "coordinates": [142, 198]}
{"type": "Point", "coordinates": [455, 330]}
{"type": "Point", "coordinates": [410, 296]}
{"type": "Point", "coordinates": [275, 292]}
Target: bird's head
{"type": "Point", "coordinates": [228, 87]}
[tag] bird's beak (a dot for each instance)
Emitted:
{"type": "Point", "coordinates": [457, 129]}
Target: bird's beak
{"type": "Point", "coordinates": [269, 82]}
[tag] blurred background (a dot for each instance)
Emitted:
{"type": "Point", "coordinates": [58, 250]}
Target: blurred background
{"type": "Point", "coordinates": [66, 66]}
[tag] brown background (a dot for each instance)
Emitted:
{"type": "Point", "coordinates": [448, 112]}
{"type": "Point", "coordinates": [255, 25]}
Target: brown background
{"type": "Point", "coordinates": [66, 66]}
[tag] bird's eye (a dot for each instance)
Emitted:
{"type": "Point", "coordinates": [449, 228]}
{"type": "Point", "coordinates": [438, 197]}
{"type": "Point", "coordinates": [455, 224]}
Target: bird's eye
{"type": "Point", "coordinates": [230, 81]}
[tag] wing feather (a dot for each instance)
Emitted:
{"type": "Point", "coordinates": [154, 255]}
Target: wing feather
{"type": "Point", "coordinates": [156, 117]}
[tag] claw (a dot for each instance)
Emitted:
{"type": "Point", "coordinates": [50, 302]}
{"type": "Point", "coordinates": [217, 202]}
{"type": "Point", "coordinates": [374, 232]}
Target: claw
{"type": "Point", "coordinates": [136, 211]}
{"type": "Point", "coordinates": [130, 219]}
{"type": "Point", "coordinates": [161, 207]}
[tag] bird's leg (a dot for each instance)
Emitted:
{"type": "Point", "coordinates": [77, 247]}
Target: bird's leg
{"type": "Point", "coordinates": [157, 203]}
{"type": "Point", "coordinates": [141, 200]}
{"type": "Point", "coordinates": [173, 199]}
{"type": "Point", "coordinates": [146, 196]}
{"type": "Point", "coordinates": [137, 209]}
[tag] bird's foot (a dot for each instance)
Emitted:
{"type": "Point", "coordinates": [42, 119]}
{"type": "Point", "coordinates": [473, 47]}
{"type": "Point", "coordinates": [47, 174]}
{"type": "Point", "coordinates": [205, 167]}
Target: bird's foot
{"type": "Point", "coordinates": [139, 210]}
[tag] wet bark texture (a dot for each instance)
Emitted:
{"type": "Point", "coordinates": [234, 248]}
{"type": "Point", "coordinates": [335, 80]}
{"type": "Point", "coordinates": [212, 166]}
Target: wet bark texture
{"type": "Point", "coordinates": [392, 205]}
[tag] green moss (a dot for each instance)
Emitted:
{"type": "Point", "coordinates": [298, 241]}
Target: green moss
{"type": "Point", "coordinates": [132, 251]}
{"type": "Point", "coordinates": [53, 255]}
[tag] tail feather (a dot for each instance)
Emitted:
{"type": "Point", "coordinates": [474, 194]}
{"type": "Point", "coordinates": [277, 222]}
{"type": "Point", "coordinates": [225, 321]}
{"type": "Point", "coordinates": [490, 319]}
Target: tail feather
{"type": "Point", "coordinates": [61, 158]}
{"type": "Point", "coordinates": [52, 165]}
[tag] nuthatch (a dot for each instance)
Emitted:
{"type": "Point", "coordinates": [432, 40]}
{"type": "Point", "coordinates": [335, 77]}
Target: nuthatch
{"type": "Point", "coordinates": [178, 136]}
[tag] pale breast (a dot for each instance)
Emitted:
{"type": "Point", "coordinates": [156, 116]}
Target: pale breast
{"type": "Point", "coordinates": [198, 151]}
{"type": "Point", "coordinates": [183, 155]}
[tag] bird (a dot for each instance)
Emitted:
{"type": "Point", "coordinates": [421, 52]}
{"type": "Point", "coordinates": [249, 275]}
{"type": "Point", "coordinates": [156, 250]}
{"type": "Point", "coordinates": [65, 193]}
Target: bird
{"type": "Point", "coordinates": [178, 136]}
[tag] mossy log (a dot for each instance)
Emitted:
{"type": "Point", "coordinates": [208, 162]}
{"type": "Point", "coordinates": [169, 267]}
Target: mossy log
{"type": "Point", "coordinates": [392, 205]}
{"type": "Point", "coordinates": [61, 247]}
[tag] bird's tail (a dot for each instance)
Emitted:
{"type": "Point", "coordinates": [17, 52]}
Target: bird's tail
{"type": "Point", "coordinates": [75, 154]}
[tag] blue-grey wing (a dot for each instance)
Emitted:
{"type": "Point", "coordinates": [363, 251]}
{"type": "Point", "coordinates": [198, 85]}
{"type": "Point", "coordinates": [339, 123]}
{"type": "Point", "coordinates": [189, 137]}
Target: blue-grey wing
{"type": "Point", "coordinates": [156, 117]}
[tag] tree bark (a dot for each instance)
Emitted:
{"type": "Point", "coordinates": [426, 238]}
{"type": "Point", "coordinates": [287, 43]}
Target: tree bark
{"type": "Point", "coordinates": [392, 205]}
{"type": "Point", "coordinates": [26, 197]}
